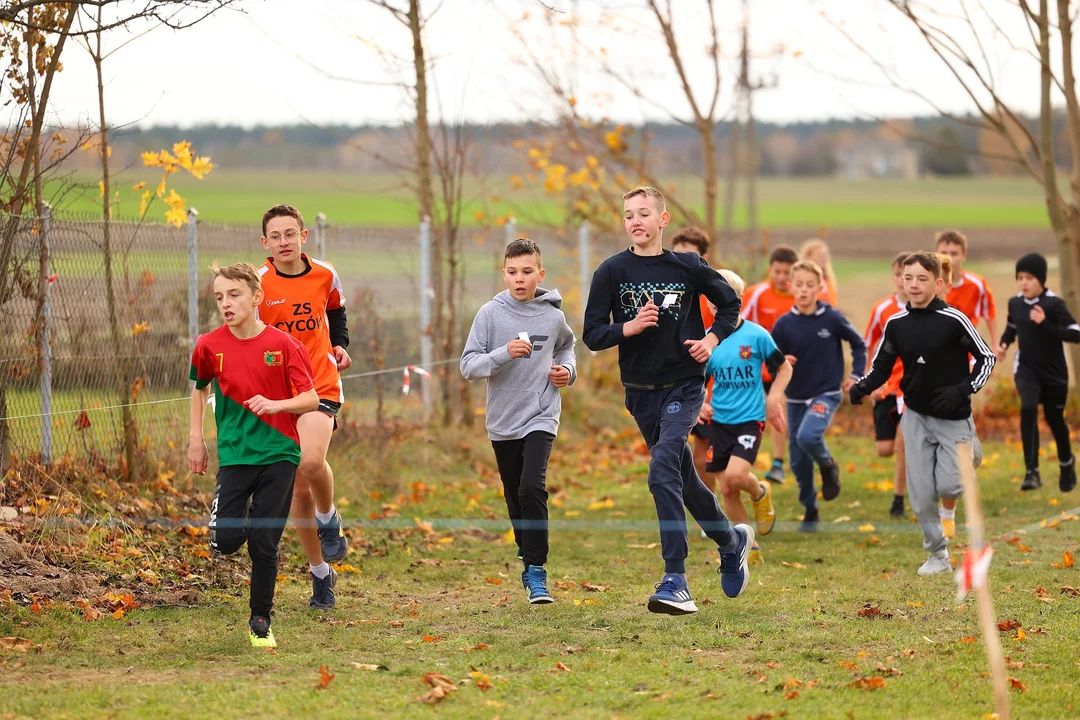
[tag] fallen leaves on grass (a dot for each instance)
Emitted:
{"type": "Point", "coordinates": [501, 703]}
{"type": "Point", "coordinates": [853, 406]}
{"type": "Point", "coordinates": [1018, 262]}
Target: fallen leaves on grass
{"type": "Point", "coordinates": [481, 681]}
{"type": "Point", "coordinates": [396, 624]}
{"type": "Point", "coordinates": [1042, 596]}
{"type": "Point", "coordinates": [796, 565]}
{"type": "Point", "coordinates": [1019, 636]}
{"type": "Point", "coordinates": [428, 561]}
{"type": "Point", "coordinates": [605, 503]}
{"type": "Point", "coordinates": [767, 715]}
{"type": "Point", "coordinates": [968, 639]}
{"type": "Point", "coordinates": [869, 611]}
{"type": "Point", "coordinates": [561, 668]}
{"type": "Point", "coordinates": [1016, 684]}
{"type": "Point", "coordinates": [325, 678]}
{"type": "Point", "coordinates": [866, 528]}
{"type": "Point", "coordinates": [1008, 625]}
{"type": "Point", "coordinates": [589, 587]}
{"type": "Point", "coordinates": [874, 682]}
{"type": "Point", "coordinates": [1070, 590]}
{"type": "Point", "coordinates": [433, 638]}
{"type": "Point", "coordinates": [368, 666]}
{"type": "Point", "coordinates": [493, 581]}
{"type": "Point", "coordinates": [1067, 560]}
{"type": "Point", "coordinates": [575, 649]}
{"type": "Point", "coordinates": [650, 546]}
{"type": "Point", "coordinates": [474, 648]}
{"type": "Point", "coordinates": [502, 601]}
{"type": "Point", "coordinates": [791, 695]}
{"type": "Point", "coordinates": [441, 686]}
{"type": "Point", "coordinates": [848, 665]}
{"type": "Point", "coordinates": [888, 671]}
{"type": "Point", "coordinates": [16, 644]}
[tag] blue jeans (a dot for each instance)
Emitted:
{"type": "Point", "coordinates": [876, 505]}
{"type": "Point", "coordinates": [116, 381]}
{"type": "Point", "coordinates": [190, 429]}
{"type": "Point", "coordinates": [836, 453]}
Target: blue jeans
{"type": "Point", "coordinates": [665, 417]}
{"type": "Point", "coordinates": [807, 423]}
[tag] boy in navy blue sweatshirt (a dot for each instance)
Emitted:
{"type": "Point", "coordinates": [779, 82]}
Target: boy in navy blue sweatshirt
{"type": "Point", "coordinates": [645, 301]}
{"type": "Point", "coordinates": [810, 336]}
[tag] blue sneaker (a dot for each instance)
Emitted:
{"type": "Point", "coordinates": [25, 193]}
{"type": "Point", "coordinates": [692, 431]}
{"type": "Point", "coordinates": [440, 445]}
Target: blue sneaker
{"type": "Point", "coordinates": [332, 538]}
{"type": "Point", "coordinates": [672, 597]}
{"type": "Point", "coordinates": [734, 568]}
{"type": "Point", "coordinates": [534, 578]}
{"type": "Point", "coordinates": [322, 591]}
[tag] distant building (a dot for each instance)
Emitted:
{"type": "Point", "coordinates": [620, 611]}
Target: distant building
{"type": "Point", "coordinates": [873, 158]}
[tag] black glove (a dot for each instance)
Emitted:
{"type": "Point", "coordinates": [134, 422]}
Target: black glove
{"type": "Point", "coordinates": [857, 393]}
{"type": "Point", "coordinates": [951, 399]}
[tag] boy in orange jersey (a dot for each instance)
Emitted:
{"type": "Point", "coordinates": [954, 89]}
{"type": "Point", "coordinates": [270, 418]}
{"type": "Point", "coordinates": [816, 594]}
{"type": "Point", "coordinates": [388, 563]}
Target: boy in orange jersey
{"type": "Point", "coordinates": [304, 299]}
{"type": "Point", "coordinates": [763, 304]}
{"type": "Point", "coordinates": [888, 399]}
{"type": "Point", "coordinates": [969, 293]}
{"type": "Point", "coordinates": [694, 240]}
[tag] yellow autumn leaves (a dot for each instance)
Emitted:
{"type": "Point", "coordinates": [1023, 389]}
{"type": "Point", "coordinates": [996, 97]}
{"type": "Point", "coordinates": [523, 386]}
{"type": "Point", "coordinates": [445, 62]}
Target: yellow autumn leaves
{"type": "Point", "coordinates": [180, 158]}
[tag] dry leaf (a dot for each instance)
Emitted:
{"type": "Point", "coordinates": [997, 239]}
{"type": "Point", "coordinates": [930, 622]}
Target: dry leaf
{"type": "Point", "coordinates": [367, 666]}
{"type": "Point", "coordinates": [968, 639]}
{"type": "Point", "coordinates": [589, 587]}
{"type": "Point", "coordinates": [493, 581]}
{"type": "Point", "coordinates": [433, 638]}
{"type": "Point", "coordinates": [396, 624]}
{"type": "Point", "coordinates": [1016, 684]}
{"type": "Point", "coordinates": [18, 644]}
{"type": "Point", "coordinates": [482, 682]}
{"type": "Point", "coordinates": [866, 528]}
{"type": "Point", "coordinates": [604, 504]}
{"type": "Point", "coordinates": [1067, 560]}
{"type": "Point", "coordinates": [791, 695]}
{"type": "Point", "coordinates": [848, 665]}
{"type": "Point", "coordinates": [1019, 635]}
{"type": "Point", "coordinates": [441, 686]}
{"type": "Point", "coordinates": [481, 646]}
{"type": "Point", "coordinates": [560, 666]}
{"type": "Point", "coordinates": [1008, 625]}
{"type": "Point", "coordinates": [325, 678]}
{"type": "Point", "coordinates": [875, 682]}
{"type": "Point", "coordinates": [502, 601]}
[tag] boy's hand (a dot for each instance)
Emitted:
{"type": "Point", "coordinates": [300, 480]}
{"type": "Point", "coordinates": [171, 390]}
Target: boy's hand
{"type": "Point", "coordinates": [705, 416]}
{"type": "Point", "coordinates": [342, 358]}
{"type": "Point", "coordinates": [1038, 315]}
{"type": "Point", "coordinates": [879, 394]}
{"type": "Point", "coordinates": [777, 413]}
{"type": "Point", "coordinates": [701, 349]}
{"type": "Point", "coordinates": [1001, 349]}
{"type": "Point", "coordinates": [197, 457]}
{"type": "Point", "coordinates": [559, 376]}
{"type": "Point", "coordinates": [848, 384]}
{"type": "Point", "coordinates": [647, 317]}
{"type": "Point", "coordinates": [261, 406]}
{"type": "Point", "coordinates": [791, 360]}
{"type": "Point", "coordinates": [518, 348]}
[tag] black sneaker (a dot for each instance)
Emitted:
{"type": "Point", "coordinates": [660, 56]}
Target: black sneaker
{"type": "Point", "coordinates": [1067, 481]}
{"type": "Point", "coordinates": [1032, 481]}
{"type": "Point", "coordinates": [322, 592]}
{"type": "Point", "coordinates": [810, 520]}
{"type": "Point", "coordinates": [332, 538]}
{"type": "Point", "coordinates": [830, 480]}
{"type": "Point", "coordinates": [897, 509]}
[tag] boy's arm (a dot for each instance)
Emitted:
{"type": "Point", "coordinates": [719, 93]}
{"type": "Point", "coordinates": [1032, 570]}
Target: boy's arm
{"type": "Point", "coordinates": [1063, 325]}
{"type": "Point", "coordinates": [598, 332]}
{"type": "Point", "coordinates": [564, 351]}
{"type": "Point", "coordinates": [882, 367]}
{"type": "Point", "coordinates": [775, 406]}
{"type": "Point", "coordinates": [339, 327]}
{"type": "Point", "coordinates": [858, 345]}
{"type": "Point", "coordinates": [984, 359]}
{"type": "Point", "coordinates": [712, 285]}
{"type": "Point", "coordinates": [872, 334]}
{"type": "Point", "coordinates": [197, 452]}
{"type": "Point", "coordinates": [991, 312]}
{"type": "Point", "coordinates": [1009, 335]}
{"type": "Point", "coordinates": [476, 361]}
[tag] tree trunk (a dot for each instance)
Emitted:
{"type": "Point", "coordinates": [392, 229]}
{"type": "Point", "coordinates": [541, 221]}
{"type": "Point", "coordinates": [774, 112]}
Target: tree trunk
{"type": "Point", "coordinates": [732, 179]}
{"type": "Point", "coordinates": [122, 368]}
{"type": "Point", "coordinates": [449, 334]}
{"type": "Point", "coordinates": [708, 148]}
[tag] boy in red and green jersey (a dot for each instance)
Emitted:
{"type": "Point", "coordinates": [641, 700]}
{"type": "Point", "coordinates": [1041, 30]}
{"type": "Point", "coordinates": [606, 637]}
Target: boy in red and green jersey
{"type": "Point", "coordinates": [261, 380]}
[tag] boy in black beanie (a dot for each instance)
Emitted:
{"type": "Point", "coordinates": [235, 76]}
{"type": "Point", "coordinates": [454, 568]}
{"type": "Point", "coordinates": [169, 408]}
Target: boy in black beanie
{"type": "Point", "coordinates": [1042, 323]}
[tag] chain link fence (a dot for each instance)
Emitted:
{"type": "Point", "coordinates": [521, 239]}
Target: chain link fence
{"type": "Point", "coordinates": [91, 374]}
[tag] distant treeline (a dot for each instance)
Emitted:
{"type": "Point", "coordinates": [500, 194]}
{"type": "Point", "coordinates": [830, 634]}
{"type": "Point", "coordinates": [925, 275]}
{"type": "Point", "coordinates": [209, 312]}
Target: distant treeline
{"type": "Point", "coordinates": [901, 147]}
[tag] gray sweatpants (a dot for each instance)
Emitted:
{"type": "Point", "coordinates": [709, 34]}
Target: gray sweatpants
{"type": "Point", "coordinates": [932, 469]}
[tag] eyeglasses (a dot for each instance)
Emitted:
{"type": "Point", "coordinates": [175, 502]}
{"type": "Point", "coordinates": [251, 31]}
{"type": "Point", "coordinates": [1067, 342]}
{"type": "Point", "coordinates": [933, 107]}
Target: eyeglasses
{"type": "Point", "coordinates": [290, 235]}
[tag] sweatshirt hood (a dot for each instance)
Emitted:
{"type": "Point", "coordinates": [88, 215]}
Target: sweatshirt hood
{"type": "Point", "coordinates": [542, 303]}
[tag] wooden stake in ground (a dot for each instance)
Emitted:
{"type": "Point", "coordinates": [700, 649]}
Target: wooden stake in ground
{"type": "Point", "coordinates": [972, 574]}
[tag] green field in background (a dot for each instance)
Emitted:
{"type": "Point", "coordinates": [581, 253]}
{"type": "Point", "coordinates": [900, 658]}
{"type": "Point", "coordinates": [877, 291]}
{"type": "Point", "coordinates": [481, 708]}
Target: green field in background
{"type": "Point", "coordinates": [380, 200]}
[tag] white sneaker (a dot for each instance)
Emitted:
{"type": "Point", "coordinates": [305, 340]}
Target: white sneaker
{"type": "Point", "coordinates": [937, 563]}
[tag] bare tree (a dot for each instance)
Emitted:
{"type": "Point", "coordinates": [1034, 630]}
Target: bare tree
{"type": "Point", "coordinates": [948, 37]}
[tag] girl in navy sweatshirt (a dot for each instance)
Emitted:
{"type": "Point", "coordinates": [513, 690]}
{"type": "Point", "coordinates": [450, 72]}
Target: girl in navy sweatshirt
{"type": "Point", "coordinates": [810, 336]}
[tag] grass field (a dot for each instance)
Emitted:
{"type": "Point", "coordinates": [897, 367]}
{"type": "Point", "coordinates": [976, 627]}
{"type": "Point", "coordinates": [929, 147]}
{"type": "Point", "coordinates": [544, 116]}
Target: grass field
{"type": "Point", "coordinates": [230, 196]}
{"type": "Point", "coordinates": [822, 613]}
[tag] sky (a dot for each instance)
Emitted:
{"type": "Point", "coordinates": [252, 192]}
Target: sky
{"type": "Point", "coordinates": [276, 62]}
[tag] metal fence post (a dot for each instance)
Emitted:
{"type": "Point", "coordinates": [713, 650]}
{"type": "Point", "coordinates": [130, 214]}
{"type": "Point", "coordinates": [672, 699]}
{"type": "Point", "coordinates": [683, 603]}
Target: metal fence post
{"type": "Point", "coordinates": [426, 291]}
{"type": "Point", "coordinates": [583, 261]}
{"type": "Point", "coordinates": [193, 275]}
{"type": "Point", "coordinates": [46, 340]}
{"type": "Point", "coordinates": [320, 235]}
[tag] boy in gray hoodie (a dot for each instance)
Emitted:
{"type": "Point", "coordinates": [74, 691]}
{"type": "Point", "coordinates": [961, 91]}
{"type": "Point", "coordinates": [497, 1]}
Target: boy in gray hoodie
{"type": "Point", "coordinates": [520, 343]}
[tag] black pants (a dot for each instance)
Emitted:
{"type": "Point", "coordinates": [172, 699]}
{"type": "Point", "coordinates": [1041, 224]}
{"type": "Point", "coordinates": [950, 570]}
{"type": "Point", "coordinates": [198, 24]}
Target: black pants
{"type": "Point", "coordinates": [1052, 395]}
{"type": "Point", "coordinates": [665, 416]}
{"type": "Point", "coordinates": [251, 504]}
{"type": "Point", "coordinates": [523, 468]}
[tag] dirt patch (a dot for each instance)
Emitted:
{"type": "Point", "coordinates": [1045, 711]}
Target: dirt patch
{"type": "Point", "coordinates": [32, 578]}
{"type": "Point", "coordinates": [10, 549]}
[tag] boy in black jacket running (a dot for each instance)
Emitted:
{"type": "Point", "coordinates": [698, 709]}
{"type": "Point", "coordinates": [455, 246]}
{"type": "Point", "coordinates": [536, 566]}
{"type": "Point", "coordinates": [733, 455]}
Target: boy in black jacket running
{"type": "Point", "coordinates": [645, 301]}
{"type": "Point", "coordinates": [933, 340]}
{"type": "Point", "coordinates": [1042, 322]}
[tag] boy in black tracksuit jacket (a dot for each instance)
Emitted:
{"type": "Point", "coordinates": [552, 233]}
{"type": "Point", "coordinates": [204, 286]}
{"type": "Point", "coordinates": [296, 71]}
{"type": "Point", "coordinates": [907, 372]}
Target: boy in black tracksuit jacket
{"type": "Point", "coordinates": [934, 341]}
{"type": "Point", "coordinates": [644, 300]}
{"type": "Point", "coordinates": [1042, 322]}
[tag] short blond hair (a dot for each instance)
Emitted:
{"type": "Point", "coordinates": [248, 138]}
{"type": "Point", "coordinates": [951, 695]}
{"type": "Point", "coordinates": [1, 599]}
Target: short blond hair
{"type": "Point", "coordinates": [808, 266]}
{"type": "Point", "coordinates": [239, 272]}
{"type": "Point", "coordinates": [649, 192]}
{"type": "Point", "coordinates": [737, 283]}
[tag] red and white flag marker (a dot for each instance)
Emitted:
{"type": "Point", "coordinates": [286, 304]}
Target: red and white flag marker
{"type": "Point", "coordinates": [419, 371]}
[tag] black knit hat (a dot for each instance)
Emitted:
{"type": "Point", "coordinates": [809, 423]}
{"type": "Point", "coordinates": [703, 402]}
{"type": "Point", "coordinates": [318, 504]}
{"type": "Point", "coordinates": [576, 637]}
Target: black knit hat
{"type": "Point", "coordinates": [1035, 264]}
